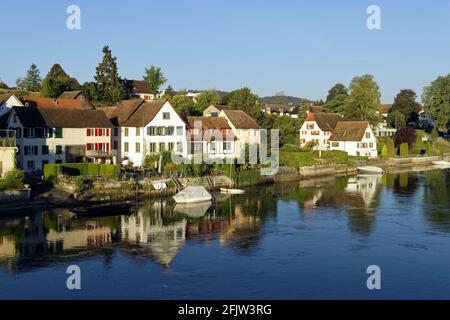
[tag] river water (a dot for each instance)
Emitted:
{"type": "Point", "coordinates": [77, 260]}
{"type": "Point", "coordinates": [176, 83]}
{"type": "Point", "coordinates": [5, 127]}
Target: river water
{"type": "Point", "coordinates": [311, 240]}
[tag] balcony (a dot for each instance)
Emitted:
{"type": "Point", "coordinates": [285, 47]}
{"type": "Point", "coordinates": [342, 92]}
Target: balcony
{"type": "Point", "coordinates": [101, 153]}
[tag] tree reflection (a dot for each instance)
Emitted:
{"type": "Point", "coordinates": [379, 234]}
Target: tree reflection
{"type": "Point", "coordinates": [437, 199]}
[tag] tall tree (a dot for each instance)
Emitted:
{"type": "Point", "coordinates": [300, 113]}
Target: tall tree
{"type": "Point", "coordinates": [33, 80]}
{"type": "Point", "coordinates": [154, 77]}
{"type": "Point", "coordinates": [243, 99]}
{"type": "Point", "coordinates": [436, 99]}
{"type": "Point", "coordinates": [363, 102]}
{"type": "Point", "coordinates": [207, 98]}
{"type": "Point", "coordinates": [405, 103]}
{"type": "Point", "coordinates": [396, 120]}
{"type": "Point", "coordinates": [183, 105]}
{"type": "Point", "coordinates": [57, 81]}
{"type": "Point", "coordinates": [336, 98]}
{"type": "Point", "coordinates": [169, 93]}
{"type": "Point", "coordinates": [110, 87]}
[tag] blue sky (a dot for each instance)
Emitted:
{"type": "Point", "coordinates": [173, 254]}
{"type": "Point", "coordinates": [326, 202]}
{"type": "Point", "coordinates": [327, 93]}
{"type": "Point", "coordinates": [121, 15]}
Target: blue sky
{"type": "Point", "coordinates": [299, 47]}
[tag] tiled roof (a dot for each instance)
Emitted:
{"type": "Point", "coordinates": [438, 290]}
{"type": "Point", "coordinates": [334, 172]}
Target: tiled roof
{"type": "Point", "coordinates": [70, 94]}
{"type": "Point", "coordinates": [240, 120]}
{"type": "Point", "coordinates": [4, 97]}
{"type": "Point", "coordinates": [62, 118]}
{"type": "Point", "coordinates": [143, 114]}
{"type": "Point", "coordinates": [53, 103]}
{"type": "Point", "coordinates": [325, 121]}
{"type": "Point", "coordinates": [349, 131]}
{"type": "Point", "coordinates": [208, 123]}
{"type": "Point", "coordinates": [140, 86]}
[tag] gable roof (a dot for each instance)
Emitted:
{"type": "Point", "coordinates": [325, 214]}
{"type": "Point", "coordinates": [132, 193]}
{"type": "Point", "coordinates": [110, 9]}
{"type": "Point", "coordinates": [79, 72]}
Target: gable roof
{"type": "Point", "coordinates": [140, 86]}
{"type": "Point", "coordinates": [70, 94]}
{"type": "Point", "coordinates": [325, 121]}
{"type": "Point", "coordinates": [144, 114]}
{"type": "Point", "coordinates": [349, 131]}
{"type": "Point", "coordinates": [315, 109]}
{"type": "Point", "coordinates": [240, 120]}
{"type": "Point", "coordinates": [62, 118]}
{"type": "Point", "coordinates": [4, 97]}
{"type": "Point", "coordinates": [215, 123]}
{"type": "Point", "coordinates": [53, 103]}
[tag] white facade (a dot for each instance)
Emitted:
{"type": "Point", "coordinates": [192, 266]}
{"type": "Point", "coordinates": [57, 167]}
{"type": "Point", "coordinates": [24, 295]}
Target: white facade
{"type": "Point", "coordinates": [366, 147]}
{"type": "Point", "coordinates": [6, 106]}
{"type": "Point", "coordinates": [39, 146]}
{"type": "Point", "coordinates": [165, 132]}
{"type": "Point", "coordinates": [310, 131]}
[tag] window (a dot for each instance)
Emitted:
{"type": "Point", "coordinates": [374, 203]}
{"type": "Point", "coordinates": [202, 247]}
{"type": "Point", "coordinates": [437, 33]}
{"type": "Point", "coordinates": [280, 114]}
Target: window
{"type": "Point", "coordinates": [371, 145]}
{"type": "Point", "coordinates": [151, 131]}
{"type": "Point", "coordinates": [44, 149]}
{"type": "Point", "coordinates": [116, 132]}
{"type": "Point", "coordinates": [152, 147]}
{"type": "Point", "coordinates": [166, 115]}
{"type": "Point", "coordinates": [368, 135]}
{"type": "Point", "coordinates": [335, 144]}
{"type": "Point", "coordinates": [30, 164]}
{"type": "Point", "coordinates": [170, 131]}
{"type": "Point", "coordinates": [310, 126]}
{"type": "Point", "coordinates": [171, 145]}
{"type": "Point", "coordinates": [25, 150]}
{"type": "Point", "coordinates": [38, 133]}
{"type": "Point", "coordinates": [58, 133]}
{"type": "Point", "coordinates": [179, 131]}
{"type": "Point", "coordinates": [226, 146]}
{"type": "Point", "coordinates": [115, 145]}
{"type": "Point", "coordinates": [161, 131]}
{"type": "Point", "coordinates": [138, 147]}
{"type": "Point", "coordinates": [212, 147]}
{"type": "Point", "coordinates": [18, 133]}
{"type": "Point", "coordinates": [196, 147]}
{"type": "Point", "coordinates": [162, 147]}
{"type": "Point", "coordinates": [58, 149]}
{"type": "Point", "coordinates": [28, 133]}
{"type": "Point", "coordinates": [125, 147]}
{"type": "Point", "coordinates": [214, 114]}
{"type": "Point", "coordinates": [49, 132]}
{"type": "Point", "coordinates": [179, 146]}
{"type": "Point", "coordinates": [138, 131]}
{"type": "Point", "coordinates": [125, 132]}
{"type": "Point", "coordinates": [357, 145]}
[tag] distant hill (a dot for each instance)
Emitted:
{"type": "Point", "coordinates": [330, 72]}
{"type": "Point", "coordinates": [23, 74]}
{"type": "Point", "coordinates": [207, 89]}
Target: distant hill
{"type": "Point", "coordinates": [289, 99]}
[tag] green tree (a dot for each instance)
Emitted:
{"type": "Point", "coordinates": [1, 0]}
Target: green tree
{"type": "Point", "coordinates": [390, 147]}
{"type": "Point", "coordinates": [154, 77]}
{"type": "Point", "coordinates": [33, 80]}
{"type": "Point", "coordinates": [405, 103]}
{"type": "Point", "coordinates": [243, 99]}
{"type": "Point", "coordinates": [404, 150]}
{"type": "Point", "coordinates": [396, 120]}
{"type": "Point", "coordinates": [363, 102]}
{"type": "Point", "coordinates": [110, 88]}
{"type": "Point", "coordinates": [384, 151]}
{"type": "Point", "coordinates": [57, 81]}
{"type": "Point", "coordinates": [169, 93]}
{"type": "Point", "coordinates": [183, 105]}
{"type": "Point", "coordinates": [207, 98]}
{"type": "Point", "coordinates": [336, 98]}
{"type": "Point", "coordinates": [436, 99]}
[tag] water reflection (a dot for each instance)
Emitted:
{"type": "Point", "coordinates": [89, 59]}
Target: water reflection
{"type": "Point", "coordinates": [159, 230]}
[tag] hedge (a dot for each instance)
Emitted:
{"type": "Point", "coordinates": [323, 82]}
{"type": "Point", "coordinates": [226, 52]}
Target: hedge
{"type": "Point", "coordinates": [82, 169]}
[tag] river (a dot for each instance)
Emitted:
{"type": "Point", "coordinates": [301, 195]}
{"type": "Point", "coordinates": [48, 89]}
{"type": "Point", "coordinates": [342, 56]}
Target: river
{"type": "Point", "coordinates": [308, 240]}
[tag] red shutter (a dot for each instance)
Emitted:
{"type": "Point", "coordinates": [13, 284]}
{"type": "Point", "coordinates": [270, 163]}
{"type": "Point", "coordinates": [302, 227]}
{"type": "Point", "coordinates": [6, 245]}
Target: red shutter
{"type": "Point", "coordinates": [107, 132]}
{"type": "Point", "coordinates": [88, 132]}
{"type": "Point", "coordinates": [107, 147]}
{"type": "Point", "coordinates": [88, 146]}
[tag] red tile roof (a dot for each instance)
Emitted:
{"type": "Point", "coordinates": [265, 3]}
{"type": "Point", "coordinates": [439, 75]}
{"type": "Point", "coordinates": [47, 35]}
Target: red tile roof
{"type": "Point", "coordinates": [53, 103]}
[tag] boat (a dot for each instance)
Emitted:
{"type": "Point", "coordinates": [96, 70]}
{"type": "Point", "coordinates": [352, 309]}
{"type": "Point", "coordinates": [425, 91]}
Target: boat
{"type": "Point", "coordinates": [231, 191]}
{"type": "Point", "coordinates": [192, 194]}
{"type": "Point", "coordinates": [370, 170]}
{"type": "Point", "coordinates": [442, 164]}
{"type": "Point", "coordinates": [193, 210]}
{"type": "Point", "coordinates": [104, 210]}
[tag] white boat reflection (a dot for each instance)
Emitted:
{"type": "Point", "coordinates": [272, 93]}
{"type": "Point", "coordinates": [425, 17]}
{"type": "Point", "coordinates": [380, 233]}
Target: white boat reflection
{"type": "Point", "coordinates": [193, 210]}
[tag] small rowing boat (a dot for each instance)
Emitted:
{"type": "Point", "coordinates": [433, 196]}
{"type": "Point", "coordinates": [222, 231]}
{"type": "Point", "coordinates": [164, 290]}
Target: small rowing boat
{"type": "Point", "coordinates": [192, 194]}
{"type": "Point", "coordinates": [231, 191]}
{"type": "Point", "coordinates": [370, 170]}
{"type": "Point", "coordinates": [104, 210]}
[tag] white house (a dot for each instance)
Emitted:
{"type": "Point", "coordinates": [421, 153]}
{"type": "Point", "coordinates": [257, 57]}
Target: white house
{"type": "Point", "coordinates": [282, 110]}
{"type": "Point", "coordinates": [244, 128]}
{"type": "Point", "coordinates": [141, 89]}
{"type": "Point", "coordinates": [213, 110]}
{"type": "Point", "coordinates": [318, 128]}
{"type": "Point", "coordinates": [382, 129]}
{"type": "Point", "coordinates": [145, 128]}
{"type": "Point", "coordinates": [354, 137]}
{"type": "Point", "coordinates": [7, 101]}
{"type": "Point", "coordinates": [211, 137]}
{"type": "Point", "coordinates": [51, 135]}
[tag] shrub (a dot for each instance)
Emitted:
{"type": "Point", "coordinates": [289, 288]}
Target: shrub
{"type": "Point", "coordinates": [110, 171]}
{"type": "Point", "coordinates": [12, 180]}
{"type": "Point", "coordinates": [310, 145]}
{"type": "Point", "coordinates": [384, 151]}
{"type": "Point", "coordinates": [390, 148]}
{"type": "Point", "coordinates": [82, 185]}
{"type": "Point", "coordinates": [405, 135]}
{"type": "Point", "coordinates": [404, 150]}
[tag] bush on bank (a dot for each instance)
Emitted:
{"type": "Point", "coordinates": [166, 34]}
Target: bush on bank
{"type": "Point", "coordinates": [110, 171]}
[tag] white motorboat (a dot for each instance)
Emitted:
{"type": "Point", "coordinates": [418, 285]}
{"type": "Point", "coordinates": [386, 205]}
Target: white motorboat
{"type": "Point", "coordinates": [231, 191]}
{"type": "Point", "coordinates": [192, 194]}
{"type": "Point", "coordinates": [370, 170]}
